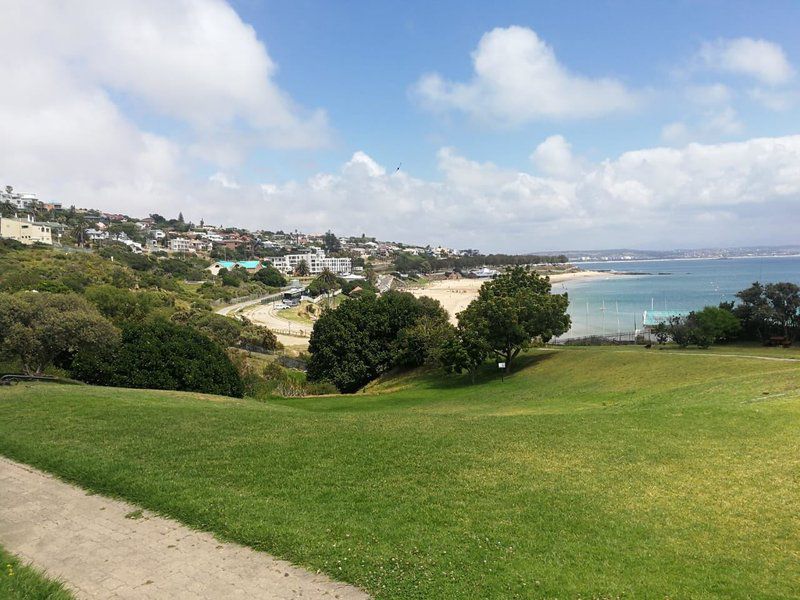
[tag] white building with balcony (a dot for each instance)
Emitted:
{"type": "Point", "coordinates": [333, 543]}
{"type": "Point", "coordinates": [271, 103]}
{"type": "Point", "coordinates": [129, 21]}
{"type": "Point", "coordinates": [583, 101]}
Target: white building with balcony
{"type": "Point", "coordinates": [317, 262]}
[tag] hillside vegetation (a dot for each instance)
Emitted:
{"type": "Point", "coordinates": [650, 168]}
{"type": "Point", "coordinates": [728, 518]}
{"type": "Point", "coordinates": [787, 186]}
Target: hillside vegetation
{"type": "Point", "coordinates": [590, 472]}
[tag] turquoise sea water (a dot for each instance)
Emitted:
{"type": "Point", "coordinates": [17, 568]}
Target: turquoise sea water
{"type": "Point", "coordinates": [617, 302]}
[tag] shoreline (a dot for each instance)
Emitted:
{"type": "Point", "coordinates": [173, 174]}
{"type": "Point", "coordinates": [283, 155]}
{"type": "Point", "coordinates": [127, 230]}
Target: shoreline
{"type": "Point", "coordinates": [455, 294]}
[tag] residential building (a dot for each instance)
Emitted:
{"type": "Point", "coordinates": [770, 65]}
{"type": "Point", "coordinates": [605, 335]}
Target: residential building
{"type": "Point", "coordinates": [317, 262]}
{"type": "Point", "coordinates": [17, 200]}
{"type": "Point", "coordinates": [95, 235]}
{"type": "Point", "coordinates": [26, 231]}
{"type": "Point", "coordinates": [180, 245]}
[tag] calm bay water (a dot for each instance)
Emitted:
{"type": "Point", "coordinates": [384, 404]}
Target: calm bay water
{"type": "Point", "coordinates": [616, 303]}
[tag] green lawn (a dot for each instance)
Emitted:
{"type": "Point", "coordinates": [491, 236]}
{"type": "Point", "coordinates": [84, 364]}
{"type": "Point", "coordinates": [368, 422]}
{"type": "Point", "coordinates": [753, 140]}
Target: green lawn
{"type": "Point", "coordinates": [590, 472]}
{"type": "Point", "coordinates": [21, 582]}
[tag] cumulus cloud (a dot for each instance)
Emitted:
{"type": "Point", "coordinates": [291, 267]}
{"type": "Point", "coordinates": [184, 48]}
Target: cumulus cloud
{"type": "Point", "coordinates": [760, 59]}
{"type": "Point", "coordinates": [654, 197]}
{"type": "Point", "coordinates": [518, 79]}
{"type": "Point", "coordinates": [73, 73]}
{"type": "Point", "coordinates": [713, 124]}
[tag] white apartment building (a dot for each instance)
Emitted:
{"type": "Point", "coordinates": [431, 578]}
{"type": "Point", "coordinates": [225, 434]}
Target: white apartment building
{"type": "Point", "coordinates": [17, 200]}
{"type": "Point", "coordinates": [317, 262]}
{"type": "Point", "coordinates": [180, 245]}
{"type": "Point", "coordinates": [26, 231]}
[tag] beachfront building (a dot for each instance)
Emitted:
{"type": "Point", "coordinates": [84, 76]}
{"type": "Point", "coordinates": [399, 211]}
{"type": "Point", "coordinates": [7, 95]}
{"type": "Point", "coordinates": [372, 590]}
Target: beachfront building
{"type": "Point", "coordinates": [653, 318]}
{"type": "Point", "coordinates": [251, 266]}
{"type": "Point", "coordinates": [26, 231]}
{"type": "Point", "coordinates": [317, 262]}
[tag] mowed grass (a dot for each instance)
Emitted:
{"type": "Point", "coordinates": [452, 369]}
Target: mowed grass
{"type": "Point", "coordinates": [23, 582]}
{"type": "Point", "coordinates": [589, 472]}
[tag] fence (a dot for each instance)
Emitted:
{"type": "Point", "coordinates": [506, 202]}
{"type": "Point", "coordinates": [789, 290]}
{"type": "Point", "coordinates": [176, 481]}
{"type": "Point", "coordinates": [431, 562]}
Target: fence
{"type": "Point", "coordinates": [601, 340]}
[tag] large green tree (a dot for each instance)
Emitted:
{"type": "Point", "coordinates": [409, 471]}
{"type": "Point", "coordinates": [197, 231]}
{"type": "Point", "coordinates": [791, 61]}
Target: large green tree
{"type": "Point", "coordinates": [270, 276]}
{"type": "Point", "coordinates": [42, 329]}
{"type": "Point", "coordinates": [769, 309]}
{"type": "Point", "coordinates": [514, 310]}
{"type": "Point", "coordinates": [361, 339]}
{"type": "Point", "coordinates": [161, 355]}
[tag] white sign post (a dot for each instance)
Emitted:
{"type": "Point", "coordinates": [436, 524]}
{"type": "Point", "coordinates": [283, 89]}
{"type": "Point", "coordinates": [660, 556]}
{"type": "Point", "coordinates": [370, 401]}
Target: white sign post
{"type": "Point", "coordinates": [502, 367]}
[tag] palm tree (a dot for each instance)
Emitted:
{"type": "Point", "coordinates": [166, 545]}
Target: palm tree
{"type": "Point", "coordinates": [301, 270]}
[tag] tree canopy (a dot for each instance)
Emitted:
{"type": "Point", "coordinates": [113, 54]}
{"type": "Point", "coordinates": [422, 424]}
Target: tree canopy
{"type": "Point", "coordinates": [512, 311]}
{"type": "Point", "coordinates": [161, 355]}
{"type": "Point", "coordinates": [360, 339]}
{"type": "Point", "coordinates": [42, 329]}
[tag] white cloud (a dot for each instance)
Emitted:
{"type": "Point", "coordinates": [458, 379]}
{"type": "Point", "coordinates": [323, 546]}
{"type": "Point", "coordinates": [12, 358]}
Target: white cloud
{"type": "Point", "coordinates": [553, 157]}
{"type": "Point", "coordinates": [655, 197]}
{"type": "Point", "coordinates": [713, 124]}
{"type": "Point", "coordinates": [760, 59]}
{"type": "Point", "coordinates": [775, 100]}
{"type": "Point", "coordinates": [709, 95]}
{"type": "Point", "coordinates": [518, 78]}
{"type": "Point", "coordinates": [222, 179]}
{"type": "Point", "coordinates": [73, 73]}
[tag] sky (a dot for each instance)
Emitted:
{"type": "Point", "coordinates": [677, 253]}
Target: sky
{"type": "Point", "coordinates": [503, 126]}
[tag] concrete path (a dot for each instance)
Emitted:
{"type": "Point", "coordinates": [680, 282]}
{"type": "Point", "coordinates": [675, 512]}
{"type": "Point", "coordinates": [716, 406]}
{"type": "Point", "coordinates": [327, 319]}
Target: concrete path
{"type": "Point", "coordinates": [103, 548]}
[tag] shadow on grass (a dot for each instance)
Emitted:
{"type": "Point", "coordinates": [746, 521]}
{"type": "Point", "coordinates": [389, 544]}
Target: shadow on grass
{"type": "Point", "coordinates": [489, 373]}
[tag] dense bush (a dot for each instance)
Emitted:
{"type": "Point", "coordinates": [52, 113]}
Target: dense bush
{"type": "Point", "coordinates": [356, 342]}
{"type": "Point", "coordinates": [767, 310]}
{"type": "Point", "coordinates": [42, 329]}
{"type": "Point", "coordinates": [160, 355]}
{"type": "Point", "coordinates": [127, 306]}
{"type": "Point", "coordinates": [703, 328]}
{"type": "Point", "coordinates": [270, 276]}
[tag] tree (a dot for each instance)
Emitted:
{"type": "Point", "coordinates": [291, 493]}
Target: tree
{"type": "Point", "coordinates": [662, 333]}
{"type": "Point", "coordinates": [712, 325]}
{"type": "Point", "coordinates": [42, 329]}
{"type": "Point", "coordinates": [325, 283]}
{"type": "Point", "coordinates": [180, 217]}
{"type": "Point", "coordinates": [770, 309]}
{"type": "Point", "coordinates": [160, 355]}
{"type": "Point", "coordinates": [270, 276]}
{"type": "Point", "coordinates": [513, 310]}
{"type": "Point", "coordinates": [223, 330]}
{"type": "Point", "coordinates": [257, 339]}
{"type": "Point", "coordinates": [679, 331]}
{"type": "Point", "coordinates": [466, 351]}
{"type": "Point", "coordinates": [127, 306]}
{"type": "Point", "coordinates": [302, 270]}
{"type": "Point", "coordinates": [753, 311]}
{"type": "Point", "coordinates": [702, 328]}
{"type": "Point", "coordinates": [331, 243]}
{"type": "Point", "coordinates": [421, 343]}
{"type": "Point", "coordinates": [784, 302]}
{"type": "Point", "coordinates": [358, 341]}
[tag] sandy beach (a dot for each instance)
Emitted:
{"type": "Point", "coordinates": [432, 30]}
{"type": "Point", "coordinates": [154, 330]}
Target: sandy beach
{"type": "Point", "coordinates": [455, 294]}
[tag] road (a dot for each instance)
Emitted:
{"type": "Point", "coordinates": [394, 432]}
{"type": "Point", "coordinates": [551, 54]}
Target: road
{"type": "Point", "coordinates": [290, 334]}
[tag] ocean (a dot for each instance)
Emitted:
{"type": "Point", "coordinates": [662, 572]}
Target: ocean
{"type": "Point", "coordinates": [606, 306]}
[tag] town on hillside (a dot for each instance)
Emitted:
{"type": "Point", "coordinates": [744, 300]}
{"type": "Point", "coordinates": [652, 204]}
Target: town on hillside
{"type": "Point", "coordinates": [28, 220]}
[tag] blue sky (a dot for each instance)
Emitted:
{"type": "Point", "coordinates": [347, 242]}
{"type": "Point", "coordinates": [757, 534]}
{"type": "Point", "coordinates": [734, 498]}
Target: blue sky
{"type": "Point", "coordinates": [359, 59]}
{"type": "Point", "coordinates": [519, 126]}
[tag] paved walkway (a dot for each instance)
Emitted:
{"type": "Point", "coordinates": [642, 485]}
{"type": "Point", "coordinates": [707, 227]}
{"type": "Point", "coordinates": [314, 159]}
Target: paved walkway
{"type": "Point", "coordinates": [103, 548]}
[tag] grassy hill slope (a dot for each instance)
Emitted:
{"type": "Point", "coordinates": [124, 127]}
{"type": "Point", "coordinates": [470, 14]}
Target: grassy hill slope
{"type": "Point", "coordinates": [592, 472]}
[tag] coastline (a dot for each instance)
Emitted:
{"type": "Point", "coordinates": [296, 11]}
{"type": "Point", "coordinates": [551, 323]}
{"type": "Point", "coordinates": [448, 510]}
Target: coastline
{"type": "Point", "coordinates": [456, 294]}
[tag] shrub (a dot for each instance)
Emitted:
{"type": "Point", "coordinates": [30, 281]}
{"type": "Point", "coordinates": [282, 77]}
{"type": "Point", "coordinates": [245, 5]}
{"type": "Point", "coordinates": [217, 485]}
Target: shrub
{"type": "Point", "coordinates": [161, 355]}
{"type": "Point", "coordinates": [270, 276]}
{"type": "Point", "coordinates": [358, 341]}
{"type": "Point", "coordinates": [42, 329]}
